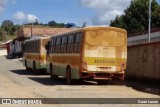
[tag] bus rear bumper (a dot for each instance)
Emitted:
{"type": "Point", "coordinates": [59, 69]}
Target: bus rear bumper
{"type": "Point", "coordinates": [103, 76]}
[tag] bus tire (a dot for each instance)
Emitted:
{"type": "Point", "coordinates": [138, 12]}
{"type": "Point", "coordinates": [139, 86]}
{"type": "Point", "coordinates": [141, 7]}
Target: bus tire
{"type": "Point", "coordinates": [27, 68]}
{"type": "Point", "coordinates": [25, 63]}
{"type": "Point", "coordinates": [34, 68]}
{"type": "Point", "coordinates": [68, 76]}
{"type": "Point", "coordinates": [52, 73]}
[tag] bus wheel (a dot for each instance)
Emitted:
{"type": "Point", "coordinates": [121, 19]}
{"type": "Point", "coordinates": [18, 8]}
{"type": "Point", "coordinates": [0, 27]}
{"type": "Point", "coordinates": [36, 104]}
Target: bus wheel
{"type": "Point", "coordinates": [27, 69]}
{"type": "Point", "coordinates": [103, 82]}
{"type": "Point", "coordinates": [52, 73]}
{"type": "Point", "coordinates": [34, 68]}
{"type": "Point", "coordinates": [25, 63]}
{"type": "Point", "coordinates": [68, 76]}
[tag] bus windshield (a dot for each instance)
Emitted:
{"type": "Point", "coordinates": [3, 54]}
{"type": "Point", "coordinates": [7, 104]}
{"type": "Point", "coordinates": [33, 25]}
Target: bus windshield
{"type": "Point", "coordinates": [105, 38]}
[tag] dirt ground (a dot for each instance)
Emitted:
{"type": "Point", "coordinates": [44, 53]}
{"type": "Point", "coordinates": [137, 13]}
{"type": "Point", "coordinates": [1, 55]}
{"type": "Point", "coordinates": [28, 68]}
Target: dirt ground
{"type": "Point", "coordinates": [16, 82]}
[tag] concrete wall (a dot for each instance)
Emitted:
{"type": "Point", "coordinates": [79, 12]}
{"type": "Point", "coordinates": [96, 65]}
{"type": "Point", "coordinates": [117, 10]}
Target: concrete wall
{"type": "Point", "coordinates": [144, 61]}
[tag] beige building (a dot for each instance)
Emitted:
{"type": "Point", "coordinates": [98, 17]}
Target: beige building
{"type": "Point", "coordinates": [26, 33]}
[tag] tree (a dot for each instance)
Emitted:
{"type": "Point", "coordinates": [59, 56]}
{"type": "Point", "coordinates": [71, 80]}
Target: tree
{"type": "Point", "coordinates": [52, 23]}
{"type": "Point", "coordinates": [2, 37]}
{"type": "Point", "coordinates": [7, 25]}
{"type": "Point", "coordinates": [55, 24]}
{"type": "Point", "coordinates": [135, 18]}
{"type": "Point", "coordinates": [84, 25]}
{"type": "Point", "coordinates": [71, 25]}
{"type": "Point", "coordinates": [13, 30]}
{"type": "Point", "coordinates": [36, 22]}
{"type": "Point", "coordinates": [118, 22]}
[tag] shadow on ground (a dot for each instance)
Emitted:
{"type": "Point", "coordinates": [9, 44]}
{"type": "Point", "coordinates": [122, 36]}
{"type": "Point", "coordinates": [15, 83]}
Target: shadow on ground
{"type": "Point", "coordinates": [147, 87]}
{"type": "Point", "coordinates": [45, 79]}
{"type": "Point", "coordinates": [139, 86]}
{"type": "Point", "coordinates": [62, 81]}
{"type": "Point", "coordinates": [59, 81]}
{"type": "Point", "coordinates": [25, 72]}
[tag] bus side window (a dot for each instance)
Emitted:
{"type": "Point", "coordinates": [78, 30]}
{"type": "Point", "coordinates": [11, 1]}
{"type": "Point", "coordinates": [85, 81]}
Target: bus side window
{"type": "Point", "coordinates": [59, 44]}
{"type": "Point", "coordinates": [56, 42]}
{"type": "Point", "coordinates": [51, 45]}
{"type": "Point", "coordinates": [33, 47]}
{"type": "Point", "coordinates": [63, 44]}
{"type": "Point", "coordinates": [61, 51]}
{"type": "Point", "coordinates": [27, 50]}
{"type": "Point", "coordinates": [38, 47]}
{"type": "Point", "coordinates": [70, 44]}
{"type": "Point", "coordinates": [29, 45]}
{"type": "Point", "coordinates": [67, 50]}
{"type": "Point", "coordinates": [78, 39]}
{"type": "Point", "coordinates": [25, 47]}
{"type": "Point", "coordinates": [54, 45]}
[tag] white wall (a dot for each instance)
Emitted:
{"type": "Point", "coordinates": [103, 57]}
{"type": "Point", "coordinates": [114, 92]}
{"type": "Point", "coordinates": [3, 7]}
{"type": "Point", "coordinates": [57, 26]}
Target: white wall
{"type": "Point", "coordinates": [3, 52]}
{"type": "Point", "coordinates": [155, 36]}
{"type": "Point", "coordinates": [18, 47]}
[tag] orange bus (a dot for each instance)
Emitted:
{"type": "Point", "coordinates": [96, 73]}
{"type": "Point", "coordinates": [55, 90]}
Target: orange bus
{"type": "Point", "coordinates": [34, 57]}
{"type": "Point", "coordinates": [98, 53]}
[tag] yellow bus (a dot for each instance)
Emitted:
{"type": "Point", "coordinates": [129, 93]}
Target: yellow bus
{"type": "Point", "coordinates": [96, 52]}
{"type": "Point", "coordinates": [34, 57]}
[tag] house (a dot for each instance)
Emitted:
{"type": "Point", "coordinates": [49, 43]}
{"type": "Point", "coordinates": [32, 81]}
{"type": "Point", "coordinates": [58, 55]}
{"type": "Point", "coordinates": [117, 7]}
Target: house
{"type": "Point", "coordinates": [28, 32]}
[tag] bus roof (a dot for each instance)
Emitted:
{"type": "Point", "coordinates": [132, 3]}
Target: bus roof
{"type": "Point", "coordinates": [106, 28]}
{"type": "Point", "coordinates": [93, 28]}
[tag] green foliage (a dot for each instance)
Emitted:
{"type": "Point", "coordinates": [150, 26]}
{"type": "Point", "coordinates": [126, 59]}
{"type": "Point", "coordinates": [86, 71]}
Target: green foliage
{"type": "Point", "coordinates": [55, 24]}
{"type": "Point", "coordinates": [7, 26]}
{"type": "Point", "coordinates": [135, 18]}
{"type": "Point", "coordinates": [8, 30]}
{"type": "Point", "coordinates": [52, 24]}
{"type": "Point", "coordinates": [2, 37]}
{"type": "Point", "coordinates": [36, 22]}
{"type": "Point", "coordinates": [84, 25]}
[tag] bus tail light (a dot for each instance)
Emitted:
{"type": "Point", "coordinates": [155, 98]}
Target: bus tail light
{"type": "Point", "coordinates": [84, 64]}
{"type": "Point", "coordinates": [41, 59]}
{"type": "Point", "coordinates": [122, 66]}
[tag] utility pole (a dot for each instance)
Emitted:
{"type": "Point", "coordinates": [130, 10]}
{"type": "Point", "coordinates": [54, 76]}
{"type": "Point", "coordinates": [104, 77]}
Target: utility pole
{"type": "Point", "coordinates": [149, 24]}
{"type": "Point", "coordinates": [32, 30]}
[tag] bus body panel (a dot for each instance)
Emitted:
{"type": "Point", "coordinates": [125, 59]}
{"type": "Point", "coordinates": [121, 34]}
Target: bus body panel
{"type": "Point", "coordinates": [36, 53]}
{"type": "Point", "coordinates": [60, 62]}
{"type": "Point", "coordinates": [103, 50]}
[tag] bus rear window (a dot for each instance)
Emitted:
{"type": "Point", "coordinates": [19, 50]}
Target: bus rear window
{"type": "Point", "coordinates": [105, 38]}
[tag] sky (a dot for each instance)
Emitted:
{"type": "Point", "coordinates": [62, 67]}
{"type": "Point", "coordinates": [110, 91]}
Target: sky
{"type": "Point", "coordinates": [93, 12]}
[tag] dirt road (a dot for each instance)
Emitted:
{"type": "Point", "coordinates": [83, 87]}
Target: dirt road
{"type": "Point", "coordinates": [16, 82]}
